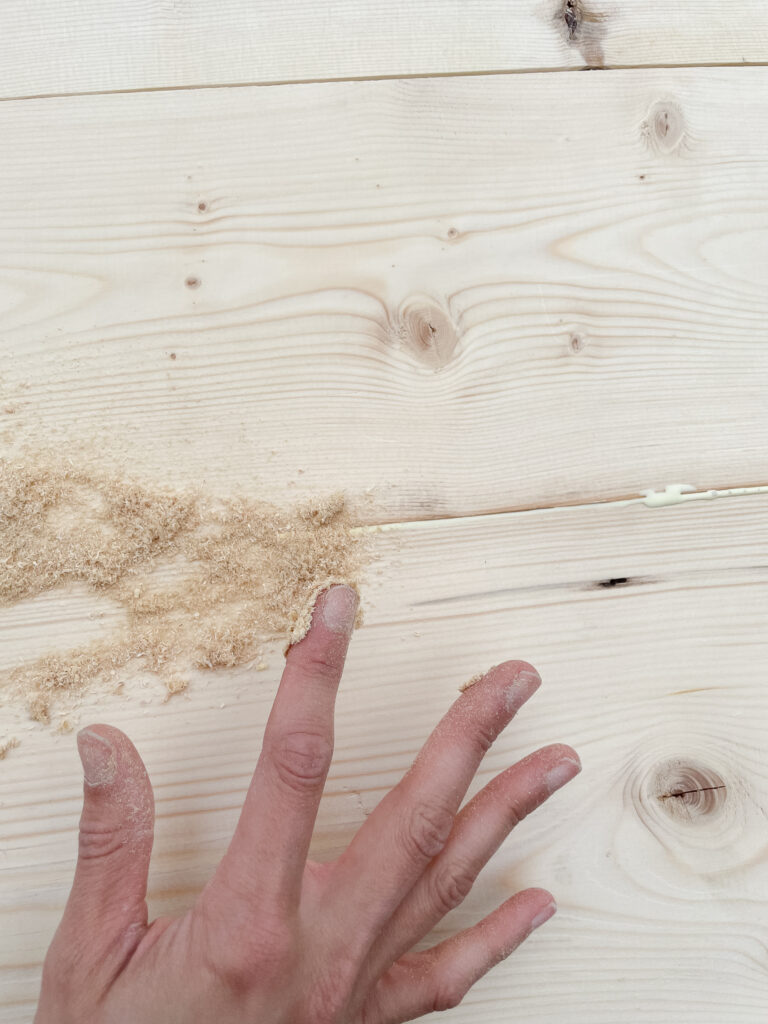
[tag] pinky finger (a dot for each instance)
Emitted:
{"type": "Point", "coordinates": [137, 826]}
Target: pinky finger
{"type": "Point", "coordinates": [439, 978]}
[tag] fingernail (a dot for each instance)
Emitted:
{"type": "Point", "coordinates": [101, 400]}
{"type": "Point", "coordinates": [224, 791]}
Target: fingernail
{"type": "Point", "coordinates": [98, 757]}
{"type": "Point", "coordinates": [561, 773]}
{"type": "Point", "coordinates": [339, 608]}
{"type": "Point", "coordinates": [543, 915]}
{"type": "Point", "coordinates": [529, 676]}
{"type": "Point", "coordinates": [525, 684]}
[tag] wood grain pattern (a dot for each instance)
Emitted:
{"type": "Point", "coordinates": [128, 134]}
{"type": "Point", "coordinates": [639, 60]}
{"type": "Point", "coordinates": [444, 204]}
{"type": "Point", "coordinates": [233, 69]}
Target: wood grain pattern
{"type": "Point", "coordinates": [92, 46]}
{"type": "Point", "coordinates": [466, 295]}
{"type": "Point", "coordinates": [658, 682]}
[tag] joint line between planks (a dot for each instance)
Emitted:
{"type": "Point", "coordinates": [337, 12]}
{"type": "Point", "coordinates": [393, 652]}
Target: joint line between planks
{"type": "Point", "coordinates": [700, 495]}
{"type": "Point", "coordinates": [491, 73]}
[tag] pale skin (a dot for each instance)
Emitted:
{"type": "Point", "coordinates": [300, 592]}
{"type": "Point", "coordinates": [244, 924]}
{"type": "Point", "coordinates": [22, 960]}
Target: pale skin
{"type": "Point", "coordinates": [275, 938]}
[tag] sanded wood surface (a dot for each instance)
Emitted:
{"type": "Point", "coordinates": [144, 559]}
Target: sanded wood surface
{"type": "Point", "coordinates": [468, 295]}
{"type": "Point", "coordinates": [454, 297]}
{"type": "Point", "coordinates": [51, 47]}
{"type": "Point", "coordinates": [659, 681]}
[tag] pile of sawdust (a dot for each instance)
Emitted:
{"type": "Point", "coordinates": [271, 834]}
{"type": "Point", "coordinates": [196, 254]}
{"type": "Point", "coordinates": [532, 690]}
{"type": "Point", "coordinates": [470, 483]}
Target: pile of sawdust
{"type": "Point", "coordinates": [204, 582]}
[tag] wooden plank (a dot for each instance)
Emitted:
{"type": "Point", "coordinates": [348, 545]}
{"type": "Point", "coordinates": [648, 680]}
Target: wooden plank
{"type": "Point", "coordinates": [466, 295]}
{"type": "Point", "coordinates": [50, 48]}
{"type": "Point", "coordinates": [662, 901]}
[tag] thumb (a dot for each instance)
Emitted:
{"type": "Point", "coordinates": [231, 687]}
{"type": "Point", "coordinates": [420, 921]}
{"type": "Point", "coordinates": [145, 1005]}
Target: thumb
{"type": "Point", "coordinates": [116, 831]}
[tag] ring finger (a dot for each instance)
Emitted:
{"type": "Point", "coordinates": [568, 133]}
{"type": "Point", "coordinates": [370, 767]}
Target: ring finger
{"type": "Point", "coordinates": [479, 830]}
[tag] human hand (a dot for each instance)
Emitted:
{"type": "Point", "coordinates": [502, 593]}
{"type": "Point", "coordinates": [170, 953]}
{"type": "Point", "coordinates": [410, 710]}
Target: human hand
{"type": "Point", "coordinates": [275, 938]}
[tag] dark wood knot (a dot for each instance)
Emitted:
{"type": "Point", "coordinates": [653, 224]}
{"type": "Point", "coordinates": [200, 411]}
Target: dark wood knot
{"type": "Point", "coordinates": [687, 789]}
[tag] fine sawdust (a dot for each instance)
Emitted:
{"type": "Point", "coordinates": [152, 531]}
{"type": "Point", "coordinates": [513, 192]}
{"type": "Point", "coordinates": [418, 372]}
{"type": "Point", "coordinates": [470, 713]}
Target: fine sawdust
{"type": "Point", "coordinates": [203, 582]}
{"type": "Point", "coordinates": [471, 682]}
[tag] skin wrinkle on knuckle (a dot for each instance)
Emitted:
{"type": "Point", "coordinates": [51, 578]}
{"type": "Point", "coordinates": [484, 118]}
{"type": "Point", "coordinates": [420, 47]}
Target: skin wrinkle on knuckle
{"type": "Point", "coordinates": [426, 831]}
{"type": "Point", "coordinates": [486, 734]}
{"type": "Point", "coordinates": [266, 958]}
{"type": "Point", "coordinates": [302, 760]}
{"type": "Point", "coordinates": [98, 842]}
{"type": "Point", "coordinates": [515, 814]}
{"type": "Point", "coordinates": [451, 884]}
{"type": "Point", "coordinates": [448, 995]}
{"type": "Point", "coordinates": [323, 661]}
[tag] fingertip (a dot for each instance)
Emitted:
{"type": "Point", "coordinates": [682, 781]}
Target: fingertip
{"type": "Point", "coordinates": [564, 752]}
{"type": "Point", "coordinates": [108, 756]}
{"type": "Point", "coordinates": [562, 764]}
{"type": "Point", "coordinates": [544, 915]}
{"type": "Point", "coordinates": [337, 608]}
{"type": "Point", "coordinates": [538, 896]}
{"type": "Point", "coordinates": [97, 755]}
{"type": "Point", "coordinates": [521, 680]}
{"type": "Point", "coordinates": [333, 607]}
{"type": "Point", "coordinates": [539, 906]}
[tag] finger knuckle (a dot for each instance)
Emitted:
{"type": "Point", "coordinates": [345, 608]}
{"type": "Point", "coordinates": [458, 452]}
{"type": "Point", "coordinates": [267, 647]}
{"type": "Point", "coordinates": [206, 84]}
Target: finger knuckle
{"type": "Point", "coordinates": [323, 661]}
{"type": "Point", "coordinates": [484, 737]}
{"type": "Point", "coordinates": [427, 830]}
{"type": "Point", "coordinates": [451, 886]}
{"type": "Point", "coordinates": [447, 996]}
{"type": "Point", "coordinates": [302, 760]}
{"type": "Point", "coordinates": [515, 815]}
{"type": "Point", "coordinates": [96, 842]}
{"type": "Point", "coordinates": [266, 958]}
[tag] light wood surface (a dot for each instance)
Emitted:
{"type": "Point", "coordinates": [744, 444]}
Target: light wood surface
{"type": "Point", "coordinates": [658, 682]}
{"type": "Point", "coordinates": [501, 308]}
{"type": "Point", "coordinates": [51, 47]}
{"type": "Point", "coordinates": [467, 295]}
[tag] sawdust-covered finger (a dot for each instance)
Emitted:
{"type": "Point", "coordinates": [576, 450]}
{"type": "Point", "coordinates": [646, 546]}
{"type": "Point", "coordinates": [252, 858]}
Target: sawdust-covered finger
{"type": "Point", "coordinates": [268, 852]}
{"type": "Point", "coordinates": [412, 823]}
{"type": "Point", "coordinates": [439, 978]}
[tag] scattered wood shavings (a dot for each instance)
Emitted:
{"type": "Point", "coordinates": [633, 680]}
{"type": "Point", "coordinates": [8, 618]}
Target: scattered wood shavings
{"type": "Point", "coordinates": [203, 581]}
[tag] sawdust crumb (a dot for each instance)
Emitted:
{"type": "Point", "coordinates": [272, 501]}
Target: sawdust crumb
{"type": "Point", "coordinates": [324, 510]}
{"type": "Point", "coordinates": [7, 746]}
{"type": "Point", "coordinates": [471, 682]}
{"type": "Point", "coordinates": [174, 685]}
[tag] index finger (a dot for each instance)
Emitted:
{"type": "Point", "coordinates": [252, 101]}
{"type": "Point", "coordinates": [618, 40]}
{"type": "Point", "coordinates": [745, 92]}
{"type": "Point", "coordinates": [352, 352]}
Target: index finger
{"type": "Point", "coordinates": [268, 852]}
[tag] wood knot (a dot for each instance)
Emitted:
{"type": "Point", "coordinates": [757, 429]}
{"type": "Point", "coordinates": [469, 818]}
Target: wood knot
{"type": "Point", "coordinates": [193, 282]}
{"type": "Point", "coordinates": [576, 343]}
{"type": "Point", "coordinates": [688, 790]}
{"type": "Point", "coordinates": [614, 581]}
{"type": "Point", "coordinates": [664, 127]}
{"type": "Point", "coordinates": [583, 29]}
{"type": "Point", "coordinates": [427, 331]}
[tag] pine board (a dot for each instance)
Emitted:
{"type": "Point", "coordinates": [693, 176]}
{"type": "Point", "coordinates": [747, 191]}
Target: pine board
{"type": "Point", "coordinates": [463, 295]}
{"type": "Point", "coordinates": [662, 903]}
{"type": "Point", "coordinates": [54, 48]}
